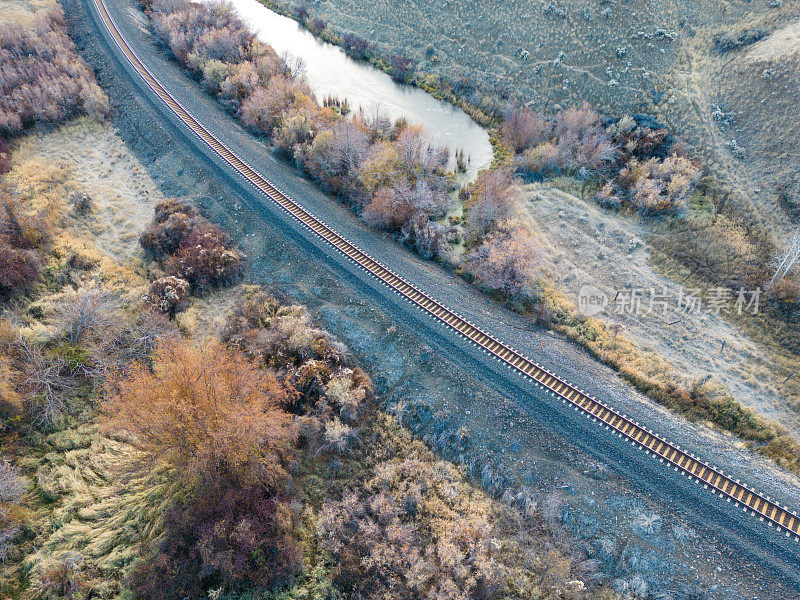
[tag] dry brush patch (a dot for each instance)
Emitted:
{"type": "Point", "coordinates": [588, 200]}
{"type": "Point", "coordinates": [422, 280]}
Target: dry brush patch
{"type": "Point", "coordinates": [43, 80]}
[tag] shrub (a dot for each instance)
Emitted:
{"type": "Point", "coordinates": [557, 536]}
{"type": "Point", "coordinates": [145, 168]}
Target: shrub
{"type": "Point", "coordinates": [41, 77]}
{"type": "Point", "coordinates": [174, 220]}
{"type": "Point", "coordinates": [234, 539]}
{"type": "Point", "coordinates": [204, 259]}
{"type": "Point", "coordinates": [507, 261]}
{"type": "Point", "coordinates": [163, 239]}
{"type": "Point", "coordinates": [576, 140]}
{"type": "Point", "coordinates": [391, 207]}
{"type": "Point", "coordinates": [209, 413]}
{"type": "Point", "coordinates": [19, 269]}
{"type": "Point", "coordinates": [426, 238]}
{"type": "Point", "coordinates": [12, 486]}
{"type": "Point", "coordinates": [658, 187]}
{"type": "Point", "coordinates": [263, 109]}
{"type": "Point", "coordinates": [90, 311]}
{"type": "Point", "coordinates": [523, 128]}
{"type": "Point", "coordinates": [401, 67]}
{"type": "Point", "coordinates": [167, 294]}
{"type": "Point", "coordinates": [581, 141]}
{"type": "Point", "coordinates": [355, 46]}
{"type": "Point", "coordinates": [493, 197]}
{"type": "Point", "coordinates": [5, 155]}
{"type": "Point", "coordinates": [46, 383]}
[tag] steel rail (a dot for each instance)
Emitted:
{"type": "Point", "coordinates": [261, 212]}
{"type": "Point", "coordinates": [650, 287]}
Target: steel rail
{"type": "Point", "coordinates": [737, 493]}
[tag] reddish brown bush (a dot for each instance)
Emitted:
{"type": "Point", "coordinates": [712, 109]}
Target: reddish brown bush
{"type": "Point", "coordinates": [208, 412]}
{"type": "Point", "coordinates": [401, 67]}
{"type": "Point", "coordinates": [355, 46]}
{"type": "Point", "coordinates": [391, 207]}
{"type": "Point", "coordinates": [577, 141]}
{"type": "Point", "coordinates": [23, 235]}
{"type": "Point", "coordinates": [19, 269]}
{"type": "Point", "coordinates": [234, 539]}
{"type": "Point", "coordinates": [205, 259]}
{"type": "Point", "coordinates": [174, 220]}
{"type": "Point", "coordinates": [41, 77]}
{"type": "Point", "coordinates": [161, 239]}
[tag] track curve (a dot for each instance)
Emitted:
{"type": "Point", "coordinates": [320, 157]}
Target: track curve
{"type": "Point", "coordinates": [738, 494]}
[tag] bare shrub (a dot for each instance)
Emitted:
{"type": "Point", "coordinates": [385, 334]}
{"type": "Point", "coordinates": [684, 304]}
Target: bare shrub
{"type": "Point", "coordinates": [391, 207]}
{"type": "Point", "coordinates": [581, 141]}
{"type": "Point", "coordinates": [493, 197]}
{"type": "Point", "coordinates": [47, 381]}
{"type": "Point", "coordinates": [208, 412]}
{"type": "Point", "coordinates": [41, 77]}
{"type": "Point", "coordinates": [90, 311]}
{"type": "Point", "coordinates": [507, 261]}
{"type": "Point", "coordinates": [426, 238]}
{"type": "Point", "coordinates": [12, 486]}
{"type": "Point", "coordinates": [337, 153]}
{"type": "Point", "coordinates": [524, 128]}
{"type": "Point", "coordinates": [228, 539]}
{"type": "Point", "coordinates": [264, 108]}
{"type": "Point", "coordinates": [576, 141]}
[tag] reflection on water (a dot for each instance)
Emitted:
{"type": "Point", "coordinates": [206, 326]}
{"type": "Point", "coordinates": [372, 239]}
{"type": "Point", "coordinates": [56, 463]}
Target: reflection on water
{"type": "Point", "coordinates": [330, 72]}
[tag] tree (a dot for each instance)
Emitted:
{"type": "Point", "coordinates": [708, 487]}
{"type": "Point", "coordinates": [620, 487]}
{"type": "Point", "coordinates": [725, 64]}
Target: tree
{"type": "Point", "coordinates": [493, 197]}
{"type": "Point", "coordinates": [218, 420]}
{"type": "Point", "coordinates": [524, 128]}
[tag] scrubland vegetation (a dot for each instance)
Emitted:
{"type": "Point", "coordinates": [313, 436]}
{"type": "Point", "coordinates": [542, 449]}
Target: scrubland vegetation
{"type": "Point", "coordinates": [253, 464]}
{"type": "Point", "coordinates": [391, 175]}
{"type": "Point", "coordinates": [141, 462]}
{"type": "Point", "coordinates": [42, 80]}
{"type": "Point", "coordinates": [389, 172]}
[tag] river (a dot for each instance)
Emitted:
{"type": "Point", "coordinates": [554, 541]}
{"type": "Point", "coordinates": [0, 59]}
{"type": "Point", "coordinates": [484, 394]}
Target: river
{"type": "Point", "coordinates": [330, 72]}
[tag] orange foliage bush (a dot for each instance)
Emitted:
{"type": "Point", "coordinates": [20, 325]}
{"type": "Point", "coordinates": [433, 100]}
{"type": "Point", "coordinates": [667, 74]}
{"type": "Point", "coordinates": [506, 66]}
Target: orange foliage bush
{"type": "Point", "coordinates": [208, 412]}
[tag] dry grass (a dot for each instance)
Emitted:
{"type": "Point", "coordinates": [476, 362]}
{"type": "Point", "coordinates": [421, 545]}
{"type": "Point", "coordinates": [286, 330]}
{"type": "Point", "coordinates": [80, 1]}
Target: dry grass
{"type": "Point", "coordinates": [707, 401]}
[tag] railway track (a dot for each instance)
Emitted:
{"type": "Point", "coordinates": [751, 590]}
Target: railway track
{"type": "Point", "coordinates": [738, 494]}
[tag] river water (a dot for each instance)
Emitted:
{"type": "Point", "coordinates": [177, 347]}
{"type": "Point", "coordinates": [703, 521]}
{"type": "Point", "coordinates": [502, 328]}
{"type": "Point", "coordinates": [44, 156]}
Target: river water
{"type": "Point", "coordinates": [330, 72]}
